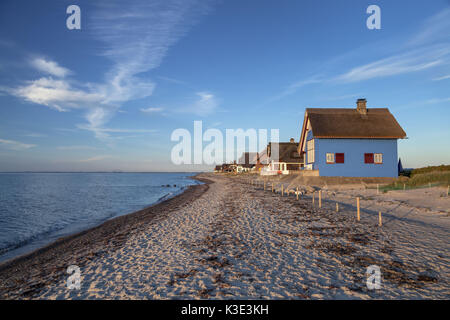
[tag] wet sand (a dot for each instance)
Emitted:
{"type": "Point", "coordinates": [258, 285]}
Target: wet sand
{"type": "Point", "coordinates": [233, 240]}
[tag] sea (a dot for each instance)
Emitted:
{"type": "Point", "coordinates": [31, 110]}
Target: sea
{"type": "Point", "coordinates": [38, 208]}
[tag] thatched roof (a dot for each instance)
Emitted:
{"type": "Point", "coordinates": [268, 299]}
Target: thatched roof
{"type": "Point", "coordinates": [286, 151]}
{"type": "Point", "coordinates": [375, 123]}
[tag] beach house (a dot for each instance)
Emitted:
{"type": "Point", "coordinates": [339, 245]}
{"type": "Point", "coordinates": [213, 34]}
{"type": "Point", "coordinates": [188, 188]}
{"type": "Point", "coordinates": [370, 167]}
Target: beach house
{"type": "Point", "coordinates": [283, 157]}
{"type": "Point", "coordinates": [349, 142]}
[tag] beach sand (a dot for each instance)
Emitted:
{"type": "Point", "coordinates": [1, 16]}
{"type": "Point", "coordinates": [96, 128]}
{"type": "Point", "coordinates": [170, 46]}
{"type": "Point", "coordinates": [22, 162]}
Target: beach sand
{"type": "Point", "coordinates": [232, 240]}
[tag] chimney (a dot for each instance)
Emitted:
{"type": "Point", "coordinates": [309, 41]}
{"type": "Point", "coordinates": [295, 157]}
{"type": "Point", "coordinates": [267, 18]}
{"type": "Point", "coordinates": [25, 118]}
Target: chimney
{"type": "Point", "coordinates": [361, 106]}
{"type": "Point", "coordinates": [291, 140]}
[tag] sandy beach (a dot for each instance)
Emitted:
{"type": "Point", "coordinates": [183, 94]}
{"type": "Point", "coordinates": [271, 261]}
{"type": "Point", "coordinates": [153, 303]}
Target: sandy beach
{"type": "Point", "coordinates": [228, 239]}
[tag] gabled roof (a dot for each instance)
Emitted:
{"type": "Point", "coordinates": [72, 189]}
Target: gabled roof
{"type": "Point", "coordinates": [376, 123]}
{"type": "Point", "coordinates": [285, 150]}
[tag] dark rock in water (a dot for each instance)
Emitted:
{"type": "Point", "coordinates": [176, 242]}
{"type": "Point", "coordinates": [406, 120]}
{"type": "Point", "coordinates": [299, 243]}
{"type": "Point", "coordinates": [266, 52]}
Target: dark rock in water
{"type": "Point", "coordinates": [174, 185]}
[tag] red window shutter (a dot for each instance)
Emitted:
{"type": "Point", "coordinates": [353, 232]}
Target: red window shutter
{"type": "Point", "coordinates": [368, 157]}
{"type": "Point", "coordinates": [339, 158]}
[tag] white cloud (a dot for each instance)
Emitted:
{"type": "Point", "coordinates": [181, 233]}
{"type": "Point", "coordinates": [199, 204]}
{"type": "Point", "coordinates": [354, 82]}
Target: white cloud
{"type": "Point", "coordinates": [152, 110]}
{"type": "Point", "coordinates": [442, 78]}
{"type": "Point", "coordinates": [413, 61]}
{"type": "Point", "coordinates": [205, 104]}
{"type": "Point", "coordinates": [15, 145]}
{"type": "Point", "coordinates": [136, 38]}
{"type": "Point", "coordinates": [50, 67]}
{"type": "Point", "coordinates": [56, 94]}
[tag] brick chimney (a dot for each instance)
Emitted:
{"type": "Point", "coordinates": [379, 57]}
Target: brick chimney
{"type": "Point", "coordinates": [361, 106]}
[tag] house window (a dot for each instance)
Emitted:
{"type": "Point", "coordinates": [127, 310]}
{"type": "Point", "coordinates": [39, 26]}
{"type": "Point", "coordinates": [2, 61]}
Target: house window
{"type": "Point", "coordinates": [339, 158]}
{"type": "Point", "coordinates": [330, 157]}
{"type": "Point", "coordinates": [310, 154]}
{"type": "Point", "coordinates": [378, 158]}
{"type": "Point", "coordinates": [368, 157]}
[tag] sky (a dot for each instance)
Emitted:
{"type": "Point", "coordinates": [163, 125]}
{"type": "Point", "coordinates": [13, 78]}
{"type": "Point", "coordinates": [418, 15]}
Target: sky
{"type": "Point", "coordinates": [109, 95]}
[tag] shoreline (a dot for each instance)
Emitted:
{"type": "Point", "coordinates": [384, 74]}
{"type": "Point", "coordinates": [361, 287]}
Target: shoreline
{"type": "Point", "coordinates": [49, 262]}
{"type": "Point", "coordinates": [230, 239]}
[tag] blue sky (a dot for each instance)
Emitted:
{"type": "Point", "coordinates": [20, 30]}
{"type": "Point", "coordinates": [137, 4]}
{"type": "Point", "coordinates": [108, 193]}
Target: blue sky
{"type": "Point", "coordinates": [108, 96]}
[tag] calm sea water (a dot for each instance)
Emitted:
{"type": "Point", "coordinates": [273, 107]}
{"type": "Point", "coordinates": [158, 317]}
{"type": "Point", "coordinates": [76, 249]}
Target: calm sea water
{"type": "Point", "coordinates": [37, 208]}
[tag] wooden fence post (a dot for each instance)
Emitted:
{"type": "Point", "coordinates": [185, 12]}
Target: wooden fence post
{"type": "Point", "coordinates": [272, 187]}
{"type": "Point", "coordinates": [380, 222]}
{"type": "Point", "coordinates": [297, 192]}
{"type": "Point", "coordinates": [337, 207]}
{"type": "Point", "coordinates": [264, 185]}
{"type": "Point", "coordinates": [357, 205]}
{"type": "Point", "coordinates": [282, 191]}
{"type": "Point", "coordinates": [313, 196]}
{"type": "Point", "coordinates": [320, 198]}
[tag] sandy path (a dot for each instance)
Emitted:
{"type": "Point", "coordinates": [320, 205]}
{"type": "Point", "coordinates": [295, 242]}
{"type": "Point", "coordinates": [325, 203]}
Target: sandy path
{"type": "Point", "coordinates": [237, 241]}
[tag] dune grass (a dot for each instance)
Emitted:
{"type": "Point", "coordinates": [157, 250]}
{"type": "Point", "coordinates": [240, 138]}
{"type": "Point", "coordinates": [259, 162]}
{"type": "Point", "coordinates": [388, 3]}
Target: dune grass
{"type": "Point", "coordinates": [420, 178]}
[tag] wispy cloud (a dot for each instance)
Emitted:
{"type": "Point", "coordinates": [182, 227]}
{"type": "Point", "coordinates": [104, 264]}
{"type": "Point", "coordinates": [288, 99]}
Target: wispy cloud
{"type": "Point", "coordinates": [434, 29]}
{"type": "Point", "coordinates": [172, 80]}
{"type": "Point", "coordinates": [437, 100]}
{"type": "Point", "coordinates": [79, 147]}
{"type": "Point", "coordinates": [35, 135]}
{"type": "Point", "coordinates": [120, 130]}
{"type": "Point", "coordinates": [442, 78]}
{"type": "Point", "coordinates": [296, 86]}
{"type": "Point", "coordinates": [152, 110]}
{"type": "Point", "coordinates": [413, 61]}
{"type": "Point", "coordinates": [96, 158]}
{"type": "Point", "coordinates": [15, 145]}
{"type": "Point", "coordinates": [205, 105]}
{"type": "Point", "coordinates": [426, 49]}
{"type": "Point", "coordinates": [342, 97]}
{"type": "Point", "coordinates": [136, 37]}
{"type": "Point", "coordinates": [50, 67]}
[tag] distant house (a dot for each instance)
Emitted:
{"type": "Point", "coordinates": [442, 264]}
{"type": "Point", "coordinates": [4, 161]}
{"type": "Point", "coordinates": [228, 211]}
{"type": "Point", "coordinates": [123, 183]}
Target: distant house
{"type": "Point", "coordinates": [228, 167]}
{"type": "Point", "coordinates": [284, 156]}
{"type": "Point", "coordinates": [357, 142]}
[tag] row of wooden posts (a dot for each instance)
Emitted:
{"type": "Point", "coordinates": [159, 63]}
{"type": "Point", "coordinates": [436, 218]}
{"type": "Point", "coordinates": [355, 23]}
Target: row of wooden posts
{"type": "Point", "coordinates": [358, 209]}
